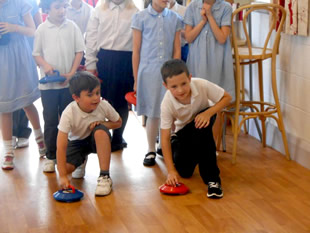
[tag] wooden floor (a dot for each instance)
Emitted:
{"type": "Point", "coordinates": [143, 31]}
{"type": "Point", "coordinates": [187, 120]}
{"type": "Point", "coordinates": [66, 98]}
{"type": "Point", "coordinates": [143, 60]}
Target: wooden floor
{"type": "Point", "coordinates": [263, 192]}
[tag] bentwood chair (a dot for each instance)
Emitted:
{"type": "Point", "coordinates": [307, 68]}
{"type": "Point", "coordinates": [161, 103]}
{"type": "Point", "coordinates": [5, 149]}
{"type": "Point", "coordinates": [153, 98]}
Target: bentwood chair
{"type": "Point", "coordinates": [250, 54]}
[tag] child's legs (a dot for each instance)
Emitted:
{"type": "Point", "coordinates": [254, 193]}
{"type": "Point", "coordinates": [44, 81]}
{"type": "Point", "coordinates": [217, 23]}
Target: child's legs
{"type": "Point", "coordinates": [115, 71]}
{"type": "Point", "coordinates": [20, 124]}
{"type": "Point", "coordinates": [205, 149]}
{"type": "Point", "coordinates": [152, 129]}
{"type": "Point", "coordinates": [216, 126]}
{"type": "Point", "coordinates": [50, 99]}
{"type": "Point", "coordinates": [33, 116]}
{"type": "Point", "coordinates": [184, 158]}
{"type": "Point", "coordinates": [118, 133]}
{"type": "Point", "coordinates": [76, 153]}
{"type": "Point", "coordinates": [101, 139]}
{"type": "Point", "coordinates": [65, 99]}
{"type": "Point", "coordinates": [6, 126]}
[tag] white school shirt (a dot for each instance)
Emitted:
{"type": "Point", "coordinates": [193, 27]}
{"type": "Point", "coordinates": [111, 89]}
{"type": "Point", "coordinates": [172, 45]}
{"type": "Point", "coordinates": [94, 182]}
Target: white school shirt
{"type": "Point", "coordinates": [76, 123]}
{"type": "Point", "coordinates": [180, 10]}
{"type": "Point", "coordinates": [109, 29]}
{"type": "Point", "coordinates": [80, 16]}
{"type": "Point", "coordinates": [202, 92]}
{"type": "Point", "coordinates": [58, 46]}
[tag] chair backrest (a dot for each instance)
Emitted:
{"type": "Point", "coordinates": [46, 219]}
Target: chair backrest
{"type": "Point", "coordinates": [277, 19]}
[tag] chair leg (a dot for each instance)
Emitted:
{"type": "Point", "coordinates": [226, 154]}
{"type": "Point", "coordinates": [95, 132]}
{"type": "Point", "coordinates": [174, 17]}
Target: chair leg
{"type": "Point", "coordinates": [277, 102]}
{"type": "Point", "coordinates": [224, 134]}
{"type": "Point", "coordinates": [261, 96]}
{"type": "Point", "coordinates": [243, 95]}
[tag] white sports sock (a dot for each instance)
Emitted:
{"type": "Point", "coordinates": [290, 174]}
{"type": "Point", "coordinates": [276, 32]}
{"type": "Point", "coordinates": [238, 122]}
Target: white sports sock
{"type": "Point", "coordinates": [8, 147]}
{"type": "Point", "coordinates": [38, 133]}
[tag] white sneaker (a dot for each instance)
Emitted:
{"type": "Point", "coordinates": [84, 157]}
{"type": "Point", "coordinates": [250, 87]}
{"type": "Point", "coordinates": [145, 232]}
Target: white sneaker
{"type": "Point", "coordinates": [49, 166]}
{"type": "Point", "coordinates": [8, 163]}
{"type": "Point", "coordinates": [104, 186]}
{"type": "Point", "coordinates": [79, 172]}
{"type": "Point", "coordinates": [22, 142]}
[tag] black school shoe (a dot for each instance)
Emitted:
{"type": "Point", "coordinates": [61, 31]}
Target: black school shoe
{"type": "Point", "coordinates": [149, 159]}
{"type": "Point", "coordinates": [214, 190]}
{"type": "Point", "coordinates": [159, 151]}
{"type": "Point", "coordinates": [116, 147]}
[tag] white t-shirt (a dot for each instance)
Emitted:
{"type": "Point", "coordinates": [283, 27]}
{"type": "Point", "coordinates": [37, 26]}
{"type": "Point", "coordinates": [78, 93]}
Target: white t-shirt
{"type": "Point", "coordinates": [180, 10]}
{"type": "Point", "coordinates": [58, 47]}
{"type": "Point", "coordinates": [109, 29]}
{"type": "Point", "coordinates": [202, 92]}
{"type": "Point", "coordinates": [76, 123]}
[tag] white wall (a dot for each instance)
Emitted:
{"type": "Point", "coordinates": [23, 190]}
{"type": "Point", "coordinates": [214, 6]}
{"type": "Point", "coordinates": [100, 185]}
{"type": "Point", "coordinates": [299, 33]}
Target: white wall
{"type": "Point", "coordinates": [293, 75]}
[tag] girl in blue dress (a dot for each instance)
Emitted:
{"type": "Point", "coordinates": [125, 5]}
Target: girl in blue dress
{"type": "Point", "coordinates": [207, 29]}
{"type": "Point", "coordinates": [156, 39]}
{"type": "Point", "coordinates": [19, 78]}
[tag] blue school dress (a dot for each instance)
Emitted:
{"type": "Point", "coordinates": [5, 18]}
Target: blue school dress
{"type": "Point", "coordinates": [158, 32]}
{"type": "Point", "coordinates": [18, 73]}
{"type": "Point", "coordinates": [207, 58]}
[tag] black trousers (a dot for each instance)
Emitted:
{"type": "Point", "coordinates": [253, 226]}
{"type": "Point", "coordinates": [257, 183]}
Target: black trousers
{"type": "Point", "coordinates": [192, 146]}
{"type": "Point", "coordinates": [115, 70]}
{"type": "Point", "coordinates": [20, 124]}
{"type": "Point", "coordinates": [54, 102]}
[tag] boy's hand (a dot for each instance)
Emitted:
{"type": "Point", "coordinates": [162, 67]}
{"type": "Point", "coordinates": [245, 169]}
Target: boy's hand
{"type": "Point", "coordinates": [207, 7]}
{"type": "Point", "coordinates": [203, 15]}
{"type": "Point", "coordinates": [94, 124]}
{"type": "Point", "coordinates": [48, 69]}
{"type": "Point", "coordinates": [64, 182]}
{"type": "Point", "coordinates": [172, 178]}
{"type": "Point", "coordinates": [68, 77]}
{"type": "Point", "coordinates": [202, 120]}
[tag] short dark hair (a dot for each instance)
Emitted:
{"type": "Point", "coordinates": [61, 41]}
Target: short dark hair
{"type": "Point", "coordinates": [83, 81]}
{"type": "Point", "coordinates": [46, 4]}
{"type": "Point", "coordinates": [173, 67]}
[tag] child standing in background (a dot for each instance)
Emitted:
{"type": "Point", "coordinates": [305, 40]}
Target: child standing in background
{"type": "Point", "coordinates": [109, 51]}
{"type": "Point", "coordinates": [58, 45]}
{"type": "Point", "coordinates": [79, 12]}
{"type": "Point", "coordinates": [156, 39]}
{"type": "Point", "coordinates": [180, 10]}
{"type": "Point", "coordinates": [21, 131]}
{"type": "Point", "coordinates": [207, 31]}
{"type": "Point", "coordinates": [19, 78]}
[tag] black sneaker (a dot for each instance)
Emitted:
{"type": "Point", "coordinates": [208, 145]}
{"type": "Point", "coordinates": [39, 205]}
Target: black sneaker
{"type": "Point", "coordinates": [214, 190]}
{"type": "Point", "coordinates": [149, 159]}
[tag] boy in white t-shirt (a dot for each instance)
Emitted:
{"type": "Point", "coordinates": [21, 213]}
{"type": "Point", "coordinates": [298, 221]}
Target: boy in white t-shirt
{"type": "Point", "coordinates": [186, 107]}
{"type": "Point", "coordinates": [84, 129]}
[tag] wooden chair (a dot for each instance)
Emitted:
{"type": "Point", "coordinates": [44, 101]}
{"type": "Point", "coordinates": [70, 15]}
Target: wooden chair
{"type": "Point", "coordinates": [248, 54]}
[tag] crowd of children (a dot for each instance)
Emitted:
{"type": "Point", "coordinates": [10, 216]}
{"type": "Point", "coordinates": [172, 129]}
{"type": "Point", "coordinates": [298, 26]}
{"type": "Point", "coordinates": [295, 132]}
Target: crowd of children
{"type": "Point", "coordinates": [128, 50]}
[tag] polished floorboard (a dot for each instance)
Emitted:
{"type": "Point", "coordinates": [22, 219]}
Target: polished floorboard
{"type": "Point", "coordinates": [263, 193]}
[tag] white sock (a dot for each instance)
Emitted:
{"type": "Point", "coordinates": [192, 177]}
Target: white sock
{"type": "Point", "coordinates": [152, 126]}
{"type": "Point", "coordinates": [38, 133]}
{"type": "Point", "coordinates": [8, 147]}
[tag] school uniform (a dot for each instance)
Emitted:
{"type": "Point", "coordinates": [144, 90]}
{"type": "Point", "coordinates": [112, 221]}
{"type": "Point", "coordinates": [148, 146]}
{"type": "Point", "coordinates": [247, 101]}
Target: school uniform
{"type": "Point", "coordinates": [192, 146]}
{"type": "Point", "coordinates": [207, 58]}
{"type": "Point", "coordinates": [80, 16]}
{"type": "Point", "coordinates": [58, 46]}
{"type": "Point", "coordinates": [109, 51]}
{"type": "Point", "coordinates": [180, 10]}
{"type": "Point", "coordinates": [19, 78]}
{"type": "Point", "coordinates": [76, 122]}
{"type": "Point", "coordinates": [158, 33]}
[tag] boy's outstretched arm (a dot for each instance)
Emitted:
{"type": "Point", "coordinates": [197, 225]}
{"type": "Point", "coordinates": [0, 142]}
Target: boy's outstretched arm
{"type": "Point", "coordinates": [62, 143]}
{"type": "Point", "coordinates": [173, 176]}
{"type": "Point", "coordinates": [202, 119]}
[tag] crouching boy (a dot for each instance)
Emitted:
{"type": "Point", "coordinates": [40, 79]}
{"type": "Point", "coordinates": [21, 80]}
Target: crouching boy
{"type": "Point", "coordinates": [84, 129]}
{"type": "Point", "coordinates": [186, 107]}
